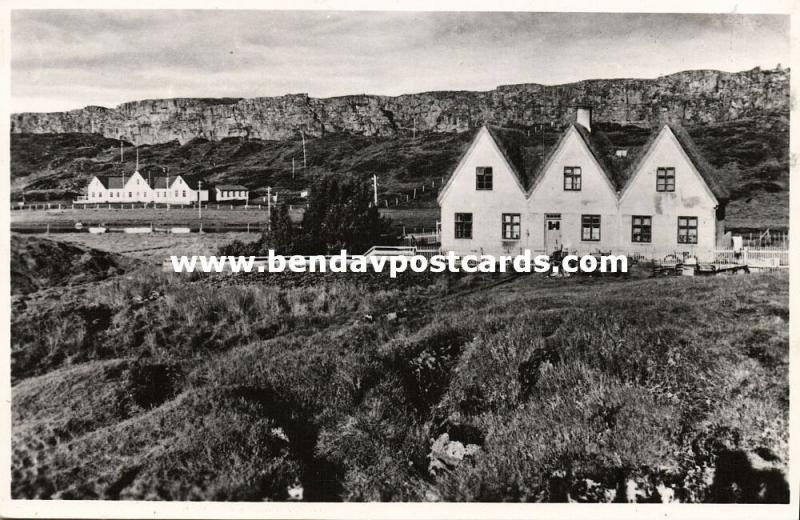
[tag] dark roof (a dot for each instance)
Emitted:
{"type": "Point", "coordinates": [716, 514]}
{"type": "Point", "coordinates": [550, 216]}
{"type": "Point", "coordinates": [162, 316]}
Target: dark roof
{"type": "Point", "coordinates": [160, 183]}
{"type": "Point", "coordinates": [112, 183]}
{"type": "Point", "coordinates": [231, 187]}
{"type": "Point", "coordinates": [707, 172]}
{"type": "Point", "coordinates": [512, 144]}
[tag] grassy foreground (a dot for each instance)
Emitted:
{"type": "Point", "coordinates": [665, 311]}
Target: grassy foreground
{"type": "Point", "coordinates": [150, 386]}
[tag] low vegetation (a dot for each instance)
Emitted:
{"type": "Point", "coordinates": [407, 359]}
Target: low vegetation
{"type": "Point", "coordinates": [145, 386]}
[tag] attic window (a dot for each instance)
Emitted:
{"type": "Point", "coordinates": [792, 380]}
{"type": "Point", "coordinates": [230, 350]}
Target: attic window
{"type": "Point", "coordinates": [572, 178]}
{"type": "Point", "coordinates": [483, 178]}
{"type": "Point", "coordinates": [665, 179]}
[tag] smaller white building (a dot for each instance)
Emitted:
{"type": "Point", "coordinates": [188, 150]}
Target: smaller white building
{"type": "Point", "coordinates": [224, 192]}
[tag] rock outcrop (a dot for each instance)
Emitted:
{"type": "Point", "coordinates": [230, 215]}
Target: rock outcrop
{"type": "Point", "coordinates": [699, 96]}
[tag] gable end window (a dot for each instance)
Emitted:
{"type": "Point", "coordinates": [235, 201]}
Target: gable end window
{"type": "Point", "coordinates": [511, 226]}
{"type": "Point", "coordinates": [665, 179]}
{"type": "Point", "coordinates": [641, 228]}
{"type": "Point", "coordinates": [483, 178]}
{"type": "Point", "coordinates": [572, 178]}
{"type": "Point", "coordinates": [463, 225]}
{"type": "Point", "coordinates": [590, 228]}
{"type": "Point", "coordinates": [687, 230]}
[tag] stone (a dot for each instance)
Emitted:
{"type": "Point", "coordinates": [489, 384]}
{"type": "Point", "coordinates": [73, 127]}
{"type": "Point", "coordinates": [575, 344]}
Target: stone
{"type": "Point", "coordinates": [446, 454]}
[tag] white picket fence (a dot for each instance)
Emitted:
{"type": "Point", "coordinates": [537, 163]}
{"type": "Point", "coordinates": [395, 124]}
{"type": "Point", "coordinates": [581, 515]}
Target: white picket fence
{"type": "Point", "coordinates": [754, 257]}
{"type": "Point", "coordinates": [427, 252]}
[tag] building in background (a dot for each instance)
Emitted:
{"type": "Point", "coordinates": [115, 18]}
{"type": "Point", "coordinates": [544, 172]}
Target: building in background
{"type": "Point", "coordinates": [137, 189]}
{"type": "Point", "coordinates": [231, 192]}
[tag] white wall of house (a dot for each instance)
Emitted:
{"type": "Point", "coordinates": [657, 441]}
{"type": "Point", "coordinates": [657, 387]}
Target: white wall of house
{"type": "Point", "coordinates": [691, 198]}
{"type": "Point", "coordinates": [596, 197]}
{"type": "Point", "coordinates": [486, 206]}
{"type": "Point", "coordinates": [136, 189]}
{"type": "Point", "coordinates": [96, 192]}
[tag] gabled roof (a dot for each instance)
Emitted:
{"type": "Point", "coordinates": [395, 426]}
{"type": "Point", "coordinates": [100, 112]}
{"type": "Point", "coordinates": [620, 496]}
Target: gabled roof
{"type": "Point", "coordinates": [707, 172]}
{"type": "Point", "coordinates": [512, 144]}
{"type": "Point", "coordinates": [506, 143]}
{"type": "Point", "coordinates": [594, 148]}
{"type": "Point", "coordinates": [528, 158]}
{"type": "Point", "coordinates": [231, 187]}
{"type": "Point", "coordinates": [704, 168]}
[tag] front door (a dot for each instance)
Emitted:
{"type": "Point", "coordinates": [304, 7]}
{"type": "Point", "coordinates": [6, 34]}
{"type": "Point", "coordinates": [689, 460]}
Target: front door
{"type": "Point", "coordinates": [552, 232]}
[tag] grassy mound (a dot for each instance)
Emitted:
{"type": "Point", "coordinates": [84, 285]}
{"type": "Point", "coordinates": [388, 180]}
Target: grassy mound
{"type": "Point", "coordinates": [38, 263]}
{"type": "Point", "coordinates": [562, 389]}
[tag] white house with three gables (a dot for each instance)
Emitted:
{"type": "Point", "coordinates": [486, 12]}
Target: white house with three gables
{"type": "Point", "coordinates": [135, 188]}
{"type": "Point", "coordinates": [582, 195]}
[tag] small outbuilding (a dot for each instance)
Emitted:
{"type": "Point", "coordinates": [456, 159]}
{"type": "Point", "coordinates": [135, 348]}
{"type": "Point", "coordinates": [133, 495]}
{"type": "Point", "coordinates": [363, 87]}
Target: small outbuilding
{"type": "Point", "coordinates": [226, 192]}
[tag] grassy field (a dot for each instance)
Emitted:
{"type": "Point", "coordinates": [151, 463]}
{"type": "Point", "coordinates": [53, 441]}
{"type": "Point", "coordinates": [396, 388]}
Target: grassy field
{"type": "Point", "coordinates": [143, 216]}
{"type": "Point", "coordinates": [145, 385]}
{"type": "Point", "coordinates": [154, 247]}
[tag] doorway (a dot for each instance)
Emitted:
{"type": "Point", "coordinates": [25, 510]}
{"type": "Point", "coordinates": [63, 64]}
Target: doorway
{"type": "Point", "coordinates": [552, 232]}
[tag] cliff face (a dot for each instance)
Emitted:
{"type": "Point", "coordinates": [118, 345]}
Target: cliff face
{"type": "Point", "coordinates": [691, 97]}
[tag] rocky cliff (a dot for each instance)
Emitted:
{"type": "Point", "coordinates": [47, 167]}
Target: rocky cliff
{"type": "Point", "coordinates": [691, 97]}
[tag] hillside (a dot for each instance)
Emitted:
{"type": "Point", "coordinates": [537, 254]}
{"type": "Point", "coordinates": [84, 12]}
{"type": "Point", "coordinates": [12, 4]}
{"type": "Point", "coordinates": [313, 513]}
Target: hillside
{"type": "Point", "coordinates": [151, 386]}
{"type": "Point", "coordinates": [33, 268]}
{"type": "Point", "coordinates": [690, 97]}
{"type": "Point", "coordinates": [751, 154]}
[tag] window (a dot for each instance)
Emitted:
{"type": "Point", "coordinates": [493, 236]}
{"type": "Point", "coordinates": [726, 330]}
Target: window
{"type": "Point", "coordinates": [483, 178]}
{"type": "Point", "coordinates": [511, 226]}
{"type": "Point", "coordinates": [184, 193]}
{"type": "Point", "coordinates": [130, 195]}
{"type": "Point", "coordinates": [572, 178]}
{"type": "Point", "coordinates": [687, 230]}
{"type": "Point", "coordinates": [665, 179]}
{"type": "Point", "coordinates": [641, 228]}
{"type": "Point", "coordinates": [590, 227]}
{"type": "Point", "coordinates": [463, 225]}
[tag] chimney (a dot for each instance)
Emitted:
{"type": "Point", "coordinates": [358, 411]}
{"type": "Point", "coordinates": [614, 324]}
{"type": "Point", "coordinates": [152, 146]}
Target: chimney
{"type": "Point", "coordinates": [584, 117]}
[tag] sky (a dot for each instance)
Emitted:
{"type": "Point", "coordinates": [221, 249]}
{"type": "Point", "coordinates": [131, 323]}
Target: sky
{"type": "Point", "coordinates": [67, 59]}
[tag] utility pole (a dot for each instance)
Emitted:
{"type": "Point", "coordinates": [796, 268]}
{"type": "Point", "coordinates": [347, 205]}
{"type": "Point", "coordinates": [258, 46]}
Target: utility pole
{"type": "Point", "coordinates": [375, 189]}
{"type": "Point", "coordinates": [304, 149]}
{"type": "Point", "coordinates": [292, 168]}
{"type": "Point", "coordinates": [414, 132]}
{"type": "Point", "coordinates": [200, 203]}
{"type": "Point", "coordinates": [269, 208]}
